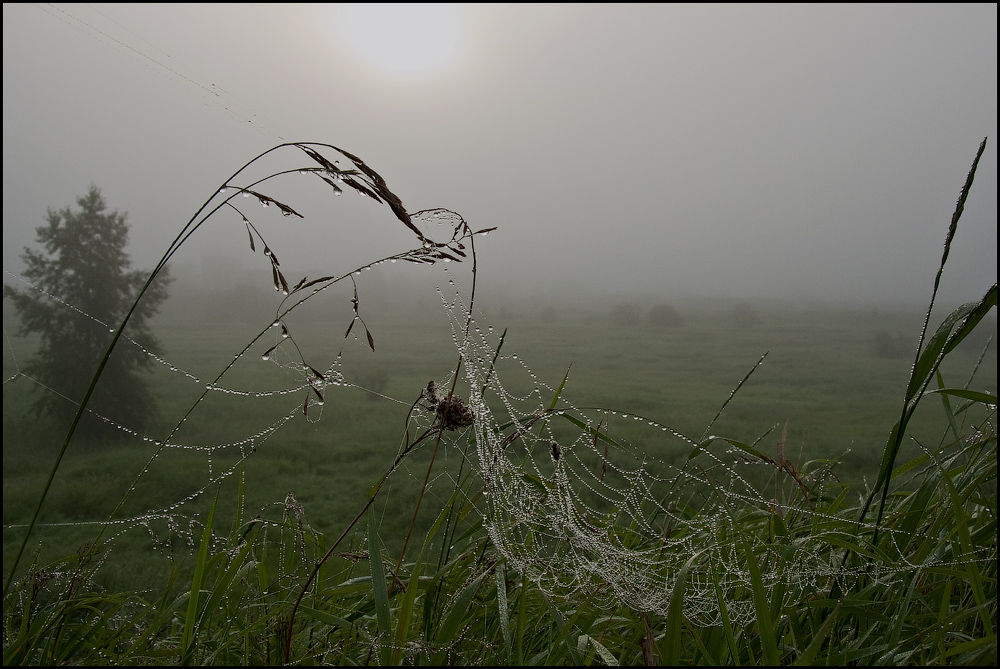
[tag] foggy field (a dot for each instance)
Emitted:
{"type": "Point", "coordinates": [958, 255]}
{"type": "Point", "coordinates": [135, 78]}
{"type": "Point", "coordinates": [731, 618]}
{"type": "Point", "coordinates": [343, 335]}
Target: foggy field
{"type": "Point", "coordinates": [602, 334]}
{"type": "Point", "coordinates": [822, 374]}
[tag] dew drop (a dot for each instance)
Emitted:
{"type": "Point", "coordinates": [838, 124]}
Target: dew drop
{"type": "Point", "coordinates": [265, 357]}
{"type": "Point", "coordinates": [246, 194]}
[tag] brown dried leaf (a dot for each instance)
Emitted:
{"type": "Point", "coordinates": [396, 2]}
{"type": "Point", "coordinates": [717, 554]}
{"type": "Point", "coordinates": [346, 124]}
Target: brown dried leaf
{"type": "Point", "coordinates": [274, 274]}
{"type": "Point", "coordinates": [337, 189]}
{"type": "Point", "coordinates": [316, 373]}
{"type": "Point", "coordinates": [442, 254]}
{"type": "Point", "coordinates": [284, 284]}
{"type": "Point", "coordinates": [371, 340]}
{"type": "Point", "coordinates": [300, 283]}
{"type": "Point", "coordinates": [484, 231]}
{"type": "Point", "coordinates": [305, 407]}
{"type": "Point", "coordinates": [315, 281]}
{"type": "Point", "coordinates": [349, 328]}
{"type": "Point", "coordinates": [318, 157]}
{"type": "Point", "coordinates": [361, 189]}
{"type": "Point", "coordinates": [286, 210]}
{"type": "Point", "coordinates": [318, 393]}
{"type": "Point", "coordinates": [252, 247]}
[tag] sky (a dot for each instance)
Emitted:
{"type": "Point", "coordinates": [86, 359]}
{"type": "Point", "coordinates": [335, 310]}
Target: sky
{"type": "Point", "coordinates": [784, 152]}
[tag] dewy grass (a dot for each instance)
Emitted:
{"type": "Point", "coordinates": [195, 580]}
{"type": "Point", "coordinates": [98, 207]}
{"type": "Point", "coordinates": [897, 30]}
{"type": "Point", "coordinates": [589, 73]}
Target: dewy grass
{"type": "Point", "coordinates": [556, 540]}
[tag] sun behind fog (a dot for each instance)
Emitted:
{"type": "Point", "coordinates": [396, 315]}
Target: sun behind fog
{"type": "Point", "coordinates": [402, 38]}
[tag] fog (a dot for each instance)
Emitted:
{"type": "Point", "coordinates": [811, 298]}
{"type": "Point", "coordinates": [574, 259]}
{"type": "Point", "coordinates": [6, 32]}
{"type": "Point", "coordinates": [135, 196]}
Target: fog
{"type": "Point", "coordinates": [694, 152]}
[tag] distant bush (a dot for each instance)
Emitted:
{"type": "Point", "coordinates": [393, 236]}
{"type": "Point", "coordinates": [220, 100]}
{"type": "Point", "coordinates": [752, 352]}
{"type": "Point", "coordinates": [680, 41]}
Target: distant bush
{"type": "Point", "coordinates": [627, 314]}
{"type": "Point", "coordinates": [744, 316]}
{"type": "Point", "coordinates": [665, 316]}
{"type": "Point", "coordinates": [887, 346]}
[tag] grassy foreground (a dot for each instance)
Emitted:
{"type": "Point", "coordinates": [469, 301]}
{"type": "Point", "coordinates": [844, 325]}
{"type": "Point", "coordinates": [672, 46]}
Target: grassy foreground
{"type": "Point", "coordinates": [808, 570]}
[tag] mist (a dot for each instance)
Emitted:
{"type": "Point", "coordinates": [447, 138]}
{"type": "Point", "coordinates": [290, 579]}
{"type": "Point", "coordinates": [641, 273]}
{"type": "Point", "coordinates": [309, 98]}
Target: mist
{"type": "Point", "coordinates": [679, 153]}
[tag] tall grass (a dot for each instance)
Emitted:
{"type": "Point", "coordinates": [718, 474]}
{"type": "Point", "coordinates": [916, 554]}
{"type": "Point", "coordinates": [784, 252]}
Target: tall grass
{"type": "Point", "coordinates": [808, 578]}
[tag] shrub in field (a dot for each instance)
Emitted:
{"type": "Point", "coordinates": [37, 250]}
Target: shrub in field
{"type": "Point", "coordinates": [555, 539]}
{"type": "Point", "coordinates": [743, 316]}
{"type": "Point", "coordinates": [626, 313]}
{"type": "Point", "coordinates": [665, 316]}
{"type": "Point", "coordinates": [887, 346]}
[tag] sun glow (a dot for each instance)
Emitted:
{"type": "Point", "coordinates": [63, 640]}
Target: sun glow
{"type": "Point", "coordinates": [402, 38]}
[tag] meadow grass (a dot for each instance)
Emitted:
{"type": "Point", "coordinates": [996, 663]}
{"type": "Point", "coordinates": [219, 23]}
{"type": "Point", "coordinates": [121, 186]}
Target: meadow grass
{"type": "Point", "coordinates": [257, 576]}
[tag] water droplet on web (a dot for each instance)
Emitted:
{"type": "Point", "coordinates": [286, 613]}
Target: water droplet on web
{"type": "Point", "coordinates": [427, 244]}
{"type": "Point", "coordinates": [265, 357]}
{"type": "Point", "coordinates": [303, 171]}
{"type": "Point", "coordinates": [265, 203]}
{"type": "Point", "coordinates": [276, 324]}
{"type": "Point", "coordinates": [111, 330]}
{"type": "Point", "coordinates": [284, 335]}
{"type": "Point", "coordinates": [246, 194]}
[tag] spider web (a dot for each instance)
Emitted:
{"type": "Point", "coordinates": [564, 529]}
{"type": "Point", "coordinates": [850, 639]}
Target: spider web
{"type": "Point", "coordinates": [569, 498]}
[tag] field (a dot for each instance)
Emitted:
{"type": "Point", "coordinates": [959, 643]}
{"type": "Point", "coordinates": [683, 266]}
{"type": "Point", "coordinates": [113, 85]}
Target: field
{"type": "Point", "coordinates": [823, 375]}
{"type": "Point", "coordinates": [539, 484]}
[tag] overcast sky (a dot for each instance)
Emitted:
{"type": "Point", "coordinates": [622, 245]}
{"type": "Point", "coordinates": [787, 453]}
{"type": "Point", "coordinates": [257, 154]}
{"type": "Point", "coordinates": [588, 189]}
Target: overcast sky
{"type": "Point", "coordinates": [734, 151]}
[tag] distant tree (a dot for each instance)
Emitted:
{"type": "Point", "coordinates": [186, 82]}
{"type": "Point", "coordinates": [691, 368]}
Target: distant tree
{"type": "Point", "coordinates": [627, 314]}
{"type": "Point", "coordinates": [664, 315]}
{"type": "Point", "coordinates": [744, 315]}
{"type": "Point", "coordinates": [84, 266]}
{"type": "Point", "coordinates": [887, 346]}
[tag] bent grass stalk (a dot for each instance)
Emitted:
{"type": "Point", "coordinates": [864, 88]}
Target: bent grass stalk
{"type": "Point", "coordinates": [356, 178]}
{"type": "Point", "coordinates": [926, 592]}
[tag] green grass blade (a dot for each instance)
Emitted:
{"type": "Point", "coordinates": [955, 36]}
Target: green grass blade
{"type": "Point", "coordinates": [762, 607]}
{"type": "Point", "coordinates": [675, 615]}
{"type": "Point", "coordinates": [405, 614]}
{"type": "Point", "coordinates": [452, 623]}
{"type": "Point", "coordinates": [974, 395]}
{"type": "Point", "coordinates": [808, 656]}
{"type": "Point", "coordinates": [503, 612]}
{"type": "Point", "coordinates": [727, 626]}
{"type": "Point", "coordinates": [379, 590]}
{"type": "Point", "coordinates": [187, 636]}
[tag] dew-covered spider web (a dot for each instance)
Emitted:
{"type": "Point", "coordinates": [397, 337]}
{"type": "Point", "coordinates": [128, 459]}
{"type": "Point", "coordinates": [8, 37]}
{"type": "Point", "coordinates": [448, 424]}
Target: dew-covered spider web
{"type": "Point", "coordinates": [597, 501]}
